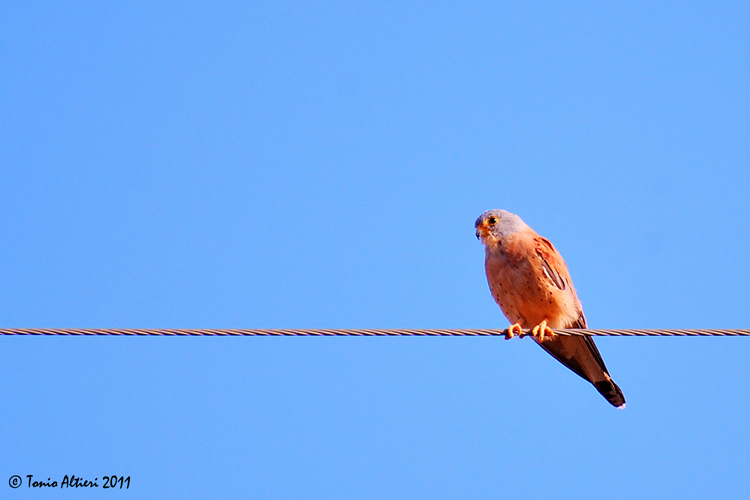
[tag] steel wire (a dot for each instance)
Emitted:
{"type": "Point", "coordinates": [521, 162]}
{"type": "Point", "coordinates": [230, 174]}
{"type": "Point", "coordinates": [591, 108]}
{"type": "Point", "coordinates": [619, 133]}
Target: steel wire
{"type": "Point", "coordinates": [136, 332]}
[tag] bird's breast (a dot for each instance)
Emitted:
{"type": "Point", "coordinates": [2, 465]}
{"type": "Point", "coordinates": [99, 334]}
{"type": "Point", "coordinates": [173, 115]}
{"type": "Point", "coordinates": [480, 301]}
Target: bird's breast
{"type": "Point", "coordinates": [522, 291]}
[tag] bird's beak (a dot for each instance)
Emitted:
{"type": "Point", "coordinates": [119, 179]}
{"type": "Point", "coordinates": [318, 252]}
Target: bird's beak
{"type": "Point", "coordinates": [481, 231]}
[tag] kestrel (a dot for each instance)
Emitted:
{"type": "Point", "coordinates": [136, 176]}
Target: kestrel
{"type": "Point", "coordinates": [530, 282]}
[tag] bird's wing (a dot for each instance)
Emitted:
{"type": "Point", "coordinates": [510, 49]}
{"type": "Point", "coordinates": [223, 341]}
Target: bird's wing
{"type": "Point", "coordinates": [553, 264]}
{"type": "Point", "coordinates": [579, 353]}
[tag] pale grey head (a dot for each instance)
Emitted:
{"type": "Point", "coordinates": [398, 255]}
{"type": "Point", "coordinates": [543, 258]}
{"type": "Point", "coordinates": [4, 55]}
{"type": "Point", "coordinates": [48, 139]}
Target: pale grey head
{"type": "Point", "coordinates": [497, 224]}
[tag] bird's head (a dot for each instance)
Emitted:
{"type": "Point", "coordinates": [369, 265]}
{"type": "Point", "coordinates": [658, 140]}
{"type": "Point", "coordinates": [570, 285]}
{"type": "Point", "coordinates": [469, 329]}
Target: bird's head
{"type": "Point", "coordinates": [496, 224]}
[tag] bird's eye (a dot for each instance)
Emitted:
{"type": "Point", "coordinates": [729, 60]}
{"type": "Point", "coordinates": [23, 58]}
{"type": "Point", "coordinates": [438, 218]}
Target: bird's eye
{"type": "Point", "coordinates": [492, 220]}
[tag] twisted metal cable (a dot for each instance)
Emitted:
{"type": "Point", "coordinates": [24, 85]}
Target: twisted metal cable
{"type": "Point", "coordinates": [359, 332]}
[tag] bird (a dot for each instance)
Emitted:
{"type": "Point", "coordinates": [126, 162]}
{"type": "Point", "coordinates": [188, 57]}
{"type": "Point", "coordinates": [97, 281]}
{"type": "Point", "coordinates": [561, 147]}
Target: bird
{"type": "Point", "coordinates": [530, 282]}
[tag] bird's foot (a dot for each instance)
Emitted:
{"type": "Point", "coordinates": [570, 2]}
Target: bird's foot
{"type": "Point", "coordinates": [513, 330]}
{"type": "Point", "coordinates": [541, 330]}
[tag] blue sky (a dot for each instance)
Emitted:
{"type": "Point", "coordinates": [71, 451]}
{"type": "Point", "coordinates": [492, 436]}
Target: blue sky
{"type": "Point", "coordinates": [282, 164]}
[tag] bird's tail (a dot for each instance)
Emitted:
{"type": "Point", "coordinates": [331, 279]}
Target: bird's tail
{"type": "Point", "coordinates": [611, 392]}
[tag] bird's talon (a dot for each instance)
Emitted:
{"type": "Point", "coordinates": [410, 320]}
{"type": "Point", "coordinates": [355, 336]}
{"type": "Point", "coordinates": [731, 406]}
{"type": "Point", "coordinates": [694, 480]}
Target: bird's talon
{"type": "Point", "coordinates": [541, 331]}
{"type": "Point", "coordinates": [513, 330]}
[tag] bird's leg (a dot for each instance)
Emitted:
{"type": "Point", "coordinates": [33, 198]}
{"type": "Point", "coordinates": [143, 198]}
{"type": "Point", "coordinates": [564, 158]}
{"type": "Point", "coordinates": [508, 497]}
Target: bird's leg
{"type": "Point", "coordinates": [513, 330]}
{"type": "Point", "coordinates": [540, 330]}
